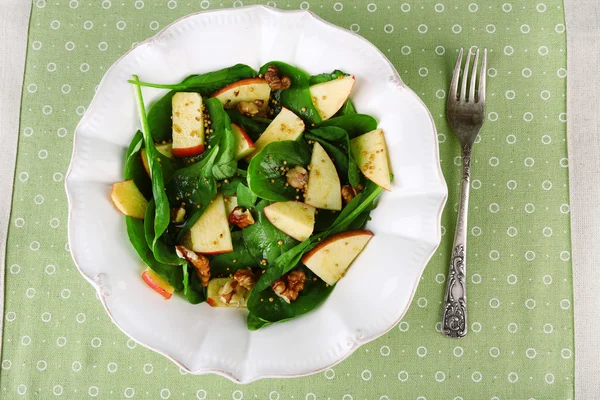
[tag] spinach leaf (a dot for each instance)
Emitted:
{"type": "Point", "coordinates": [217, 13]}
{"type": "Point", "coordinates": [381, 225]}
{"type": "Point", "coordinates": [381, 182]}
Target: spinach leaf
{"type": "Point", "coordinates": [245, 197]}
{"type": "Point", "coordinates": [226, 264]}
{"type": "Point", "coordinates": [315, 79]}
{"type": "Point", "coordinates": [225, 164]}
{"type": "Point", "coordinates": [337, 144]}
{"type": "Point", "coordinates": [192, 285]}
{"type": "Point", "coordinates": [159, 115]}
{"type": "Point", "coordinates": [134, 169]}
{"type": "Point", "coordinates": [254, 127]}
{"type": "Point", "coordinates": [324, 219]}
{"type": "Point", "coordinates": [135, 231]}
{"type": "Point", "coordinates": [297, 98]}
{"type": "Point", "coordinates": [263, 240]}
{"type": "Point", "coordinates": [354, 124]}
{"type": "Point", "coordinates": [359, 204]}
{"type": "Point", "coordinates": [347, 109]}
{"type": "Point", "coordinates": [264, 310]}
{"type": "Point", "coordinates": [254, 323]}
{"type": "Point", "coordinates": [163, 210]}
{"type": "Point", "coordinates": [265, 177]}
{"type": "Point", "coordinates": [162, 252]}
{"type": "Point", "coordinates": [229, 186]}
{"type": "Point", "coordinates": [195, 186]}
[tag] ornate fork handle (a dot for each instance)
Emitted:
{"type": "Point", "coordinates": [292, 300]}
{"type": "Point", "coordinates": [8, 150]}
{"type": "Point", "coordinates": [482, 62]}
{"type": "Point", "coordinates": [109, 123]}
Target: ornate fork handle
{"type": "Point", "coordinates": [454, 316]}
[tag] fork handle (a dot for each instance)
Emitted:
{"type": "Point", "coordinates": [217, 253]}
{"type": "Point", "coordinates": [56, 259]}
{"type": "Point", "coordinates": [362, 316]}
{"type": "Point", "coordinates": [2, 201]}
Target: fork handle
{"type": "Point", "coordinates": [454, 317]}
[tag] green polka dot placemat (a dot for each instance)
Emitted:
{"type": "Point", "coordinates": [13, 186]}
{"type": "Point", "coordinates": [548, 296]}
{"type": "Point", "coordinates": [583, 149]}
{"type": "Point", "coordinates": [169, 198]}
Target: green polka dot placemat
{"type": "Point", "coordinates": [58, 341]}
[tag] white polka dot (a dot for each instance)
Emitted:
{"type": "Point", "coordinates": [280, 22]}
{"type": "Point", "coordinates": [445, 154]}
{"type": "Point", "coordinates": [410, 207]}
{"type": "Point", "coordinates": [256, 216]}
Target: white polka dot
{"type": "Point", "coordinates": [339, 7]}
{"type": "Point", "coordinates": [476, 231]}
{"type": "Point", "coordinates": [55, 24]}
{"type": "Point", "coordinates": [507, 7]}
{"type": "Point", "coordinates": [566, 353]}
{"type": "Point", "coordinates": [41, 365]}
{"type": "Point", "coordinates": [19, 222]}
{"type": "Point", "coordinates": [129, 392]}
{"type": "Point", "coordinates": [11, 316]}
{"type": "Point", "coordinates": [34, 246]}
{"type": "Point", "coordinates": [23, 176]}
{"type": "Point", "coordinates": [525, 29]}
{"type": "Point", "coordinates": [565, 304]}
{"type": "Point", "coordinates": [366, 375]}
{"type": "Point", "coordinates": [421, 351]}
{"type": "Point", "coordinates": [22, 389]}
{"type": "Point", "coordinates": [526, 72]}
{"type": "Point", "coordinates": [456, 29]}
{"type": "Point", "coordinates": [93, 391]}
{"type": "Point", "coordinates": [329, 374]}
{"type": "Point", "coordinates": [561, 72]}
{"type": "Point", "coordinates": [494, 303]}
{"type": "Point", "coordinates": [423, 71]}
{"type": "Point", "coordinates": [508, 50]}
{"type": "Point", "coordinates": [70, 46]}
{"type": "Point", "coordinates": [405, 7]}
{"type": "Point", "coordinates": [354, 27]}
{"type": "Point", "coordinates": [57, 390]}
{"type": "Point", "coordinates": [46, 316]}
{"type": "Point", "coordinates": [274, 395]}
{"type": "Point", "coordinates": [131, 344]}
{"type": "Point", "coordinates": [564, 208]}
{"type": "Point", "coordinates": [165, 393]}
{"type": "Point", "coordinates": [402, 376]}
{"type": "Point", "coordinates": [372, 7]}
{"type": "Point", "coordinates": [84, 67]}
{"type": "Point", "coordinates": [80, 318]}
{"type": "Point", "coordinates": [511, 139]}
{"type": "Point", "coordinates": [473, 7]}
{"type": "Point", "coordinates": [440, 50]}
{"type": "Point", "coordinates": [30, 293]}
{"type": "Point", "coordinates": [389, 28]}
{"type": "Point", "coordinates": [422, 302]}
{"type": "Point", "coordinates": [494, 208]}
{"type": "Point", "coordinates": [25, 340]}
{"type": "Point", "coordinates": [512, 279]}
{"type": "Point", "coordinates": [530, 304]}
{"type": "Point", "coordinates": [32, 88]}
{"type": "Point", "coordinates": [39, 199]}
{"type": "Point", "coordinates": [6, 364]}
{"type": "Point", "coordinates": [549, 378]}
{"type": "Point", "coordinates": [541, 7]}
{"type": "Point", "coordinates": [87, 25]}
{"type": "Point", "coordinates": [547, 279]}
{"type": "Point", "coordinates": [512, 231]}
{"type": "Point", "coordinates": [50, 269]}
{"type": "Point", "coordinates": [73, 3]}
{"type": "Point", "coordinates": [139, 4]}
{"type": "Point", "coordinates": [476, 279]}
{"type": "Point", "coordinates": [154, 25]}
{"type": "Point", "coordinates": [548, 328]}
{"type": "Point", "coordinates": [61, 341]}
{"type": "Point", "coordinates": [543, 50]}
{"type": "Point", "coordinates": [440, 376]}
{"type": "Point", "coordinates": [47, 109]}
{"type": "Point", "coordinates": [385, 351]}
{"type": "Point", "coordinates": [476, 376]}
{"type": "Point", "coordinates": [513, 377]}
{"type": "Point", "coordinates": [493, 116]}
{"type": "Point", "coordinates": [121, 25]}
{"type": "Point", "coordinates": [458, 351]}
{"type": "Point", "coordinates": [530, 255]}
{"type": "Point", "coordinates": [96, 342]}
{"type": "Point", "coordinates": [512, 327]}
{"type": "Point", "coordinates": [405, 50]}
{"type": "Point", "coordinates": [102, 46]}
{"type": "Point", "coordinates": [80, 110]}
{"type": "Point", "coordinates": [403, 326]}
{"type": "Point", "coordinates": [65, 294]}
{"type": "Point", "coordinates": [201, 394]}
{"type": "Point", "coordinates": [530, 353]}
{"type": "Point", "coordinates": [547, 185]}
{"type": "Point", "coordinates": [529, 208]}
{"type": "Point", "coordinates": [490, 28]}
{"type": "Point", "coordinates": [528, 116]}
{"type": "Point", "coordinates": [422, 28]}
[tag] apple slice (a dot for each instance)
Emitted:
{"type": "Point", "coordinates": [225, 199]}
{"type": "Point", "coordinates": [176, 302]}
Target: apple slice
{"type": "Point", "coordinates": [243, 144]}
{"type": "Point", "coordinates": [293, 218]}
{"type": "Point", "coordinates": [188, 124]}
{"type": "Point", "coordinates": [330, 259]}
{"type": "Point", "coordinates": [245, 90]}
{"type": "Point", "coordinates": [210, 234]}
{"type": "Point", "coordinates": [285, 126]}
{"type": "Point", "coordinates": [370, 152]}
{"type": "Point", "coordinates": [328, 97]}
{"type": "Point", "coordinates": [323, 188]}
{"type": "Point", "coordinates": [128, 199]}
{"type": "Point", "coordinates": [165, 149]}
{"type": "Point", "coordinates": [158, 284]}
{"type": "Point", "coordinates": [230, 204]}
{"type": "Point", "coordinates": [226, 292]}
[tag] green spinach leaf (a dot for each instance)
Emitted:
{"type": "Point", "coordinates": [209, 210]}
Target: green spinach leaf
{"type": "Point", "coordinates": [192, 285]}
{"type": "Point", "coordinates": [297, 98]}
{"type": "Point", "coordinates": [254, 127]}
{"type": "Point", "coordinates": [225, 164]}
{"type": "Point", "coordinates": [347, 109]}
{"type": "Point", "coordinates": [135, 231]}
{"type": "Point", "coordinates": [263, 240]}
{"type": "Point", "coordinates": [245, 197]}
{"type": "Point", "coordinates": [134, 169]}
{"type": "Point", "coordinates": [155, 163]}
{"type": "Point", "coordinates": [226, 264]}
{"type": "Point", "coordinates": [315, 79]}
{"type": "Point", "coordinates": [354, 124]}
{"type": "Point", "coordinates": [265, 177]}
{"type": "Point", "coordinates": [162, 252]}
{"type": "Point", "coordinates": [229, 186]}
{"type": "Point", "coordinates": [159, 115]}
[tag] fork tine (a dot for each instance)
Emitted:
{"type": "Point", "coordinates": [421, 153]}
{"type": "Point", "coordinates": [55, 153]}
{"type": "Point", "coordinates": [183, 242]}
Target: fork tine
{"type": "Point", "coordinates": [482, 75]}
{"type": "Point", "coordinates": [454, 84]}
{"type": "Point", "coordinates": [473, 78]}
{"type": "Point", "coordinates": [465, 78]}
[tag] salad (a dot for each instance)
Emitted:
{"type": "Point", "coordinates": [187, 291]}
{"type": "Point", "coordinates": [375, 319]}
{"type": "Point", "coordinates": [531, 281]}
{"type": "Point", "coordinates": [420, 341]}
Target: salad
{"type": "Point", "coordinates": [251, 189]}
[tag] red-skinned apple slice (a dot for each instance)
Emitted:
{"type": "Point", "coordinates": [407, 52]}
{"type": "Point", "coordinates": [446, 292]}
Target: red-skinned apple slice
{"type": "Point", "coordinates": [330, 259]}
{"type": "Point", "coordinates": [328, 97]}
{"type": "Point", "coordinates": [370, 152]}
{"type": "Point", "coordinates": [245, 90]}
{"type": "Point", "coordinates": [243, 144]}
{"type": "Point", "coordinates": [128, 199]}
{"type": "Point", "coordinates": [188, 124]}
{"type": "Point", "coordinates": [210, 234]}
{"type": "Point", "coordinates": [158, 284]}
{"type": "Point", "coordinates": [324, 188]}
{"type": "Point", "coordinates": [285, 126]}
{"type": "Point", "coordinates": [293, 218]}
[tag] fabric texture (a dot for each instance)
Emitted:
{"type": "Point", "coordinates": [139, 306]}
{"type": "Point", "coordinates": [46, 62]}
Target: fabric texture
{"type": "Point", "coordinates": [583, 23]}
{"type": "Point", "coordinates": [58, 341]}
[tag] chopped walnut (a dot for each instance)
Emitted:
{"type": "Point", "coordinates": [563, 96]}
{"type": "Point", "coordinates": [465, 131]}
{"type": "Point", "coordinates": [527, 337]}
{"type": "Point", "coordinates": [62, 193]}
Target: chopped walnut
{"type": "Point", "coordinates": [178, 214]}
{"type": "Point", "coordinates": [297, 177]}
{"type": "Point", "coordinates": [232, 293]}
{"type": "Point", "coordinates": [241, 217]}
{"type": "Point", "coordinates": [289, 286]}
{"type": "Point", "coordinates": [199, 262]}
{"type": "Point", "coordinates": [348, 193]}
{"type": "Point", "coordinates": [248, 108]}
{"type": "Point", "coordinates": [245, 278]}
{"type": "Point", "coordinates": [274, 81]}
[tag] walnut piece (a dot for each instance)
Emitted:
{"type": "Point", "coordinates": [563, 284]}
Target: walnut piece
{"type": "Point", "coordinates": [247, 108]}
{"type": "Point", "coordinates": [227, 292]}
{"type": "Point", "coordinates": [289, 286]}
{"type": "Point", "coordinates": [297, 177]}
{"type": "Point", "coordinates": [348, 193]}
{"type": "Point", "coordinates": [199, 262]}
{"type": "Point", "coordinates": [274, 81]}
{"type": "Point", "coordinates": [241, 217]}
{"type": "Point", "coordinates": [245, 278]}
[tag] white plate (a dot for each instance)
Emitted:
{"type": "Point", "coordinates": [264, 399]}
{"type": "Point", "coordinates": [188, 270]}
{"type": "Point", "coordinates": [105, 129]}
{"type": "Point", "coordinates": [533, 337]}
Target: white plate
{"type": "Point", "coordinates": [379, 286]}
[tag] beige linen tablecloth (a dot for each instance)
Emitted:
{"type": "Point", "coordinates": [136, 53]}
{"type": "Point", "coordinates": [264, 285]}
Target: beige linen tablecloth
{"type": "Point", "coordinates": [583, 28]}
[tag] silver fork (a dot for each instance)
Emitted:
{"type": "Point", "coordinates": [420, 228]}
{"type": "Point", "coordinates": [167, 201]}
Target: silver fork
{"type": "Point", "coordinates": [465, 116]}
